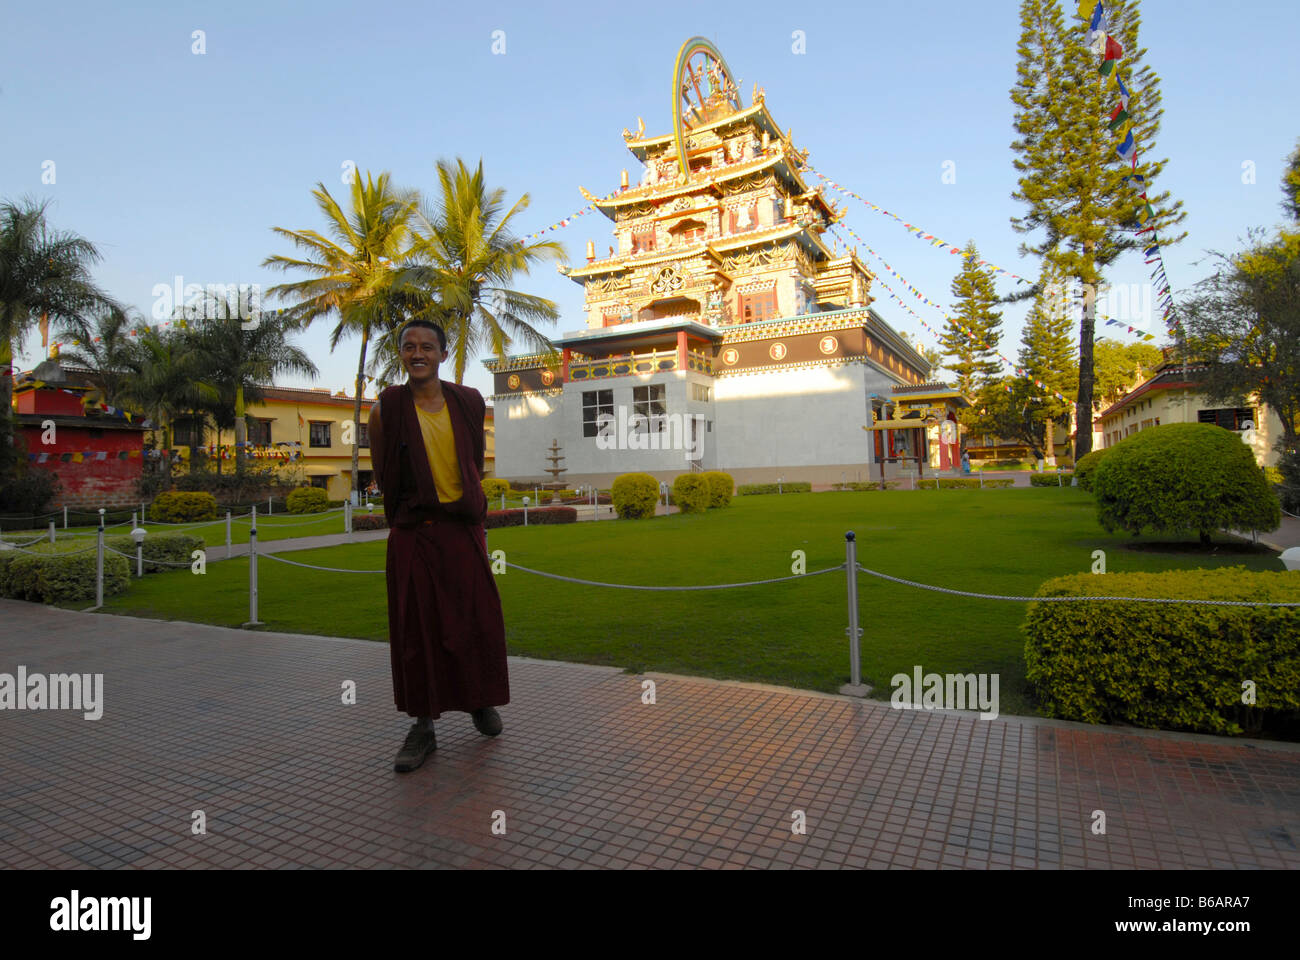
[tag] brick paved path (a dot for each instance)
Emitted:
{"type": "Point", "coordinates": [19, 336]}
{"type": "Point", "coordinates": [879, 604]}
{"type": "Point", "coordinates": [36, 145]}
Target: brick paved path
{"type": "Point", "coordinates": [250, 728]}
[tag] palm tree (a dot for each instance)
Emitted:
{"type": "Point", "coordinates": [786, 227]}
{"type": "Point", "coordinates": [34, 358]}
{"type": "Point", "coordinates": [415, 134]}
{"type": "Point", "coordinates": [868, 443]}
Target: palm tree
{"type": "Point", "coordinates": [465, 257]}
{"type": "Point", "coordinates": [102, 342]}
{"type": "Point", "coordinates": [351, 275]}
{"type": "Point", "coordinates": [239, 363]}
{"type": "Point", "coordinates": [44, 273]}
{"type": "Point", "coordinates": [162, 381]}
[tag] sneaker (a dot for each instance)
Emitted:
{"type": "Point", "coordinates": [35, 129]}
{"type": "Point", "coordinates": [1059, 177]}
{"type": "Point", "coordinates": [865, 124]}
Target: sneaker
{"type": "Point", "coordinates": [419, 744]}
{"type": "Point", "coordinates": [487, 721]}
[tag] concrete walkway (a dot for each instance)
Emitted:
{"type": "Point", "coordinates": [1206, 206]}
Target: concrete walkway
{"type": "Point", "coordinates": [251, 731]}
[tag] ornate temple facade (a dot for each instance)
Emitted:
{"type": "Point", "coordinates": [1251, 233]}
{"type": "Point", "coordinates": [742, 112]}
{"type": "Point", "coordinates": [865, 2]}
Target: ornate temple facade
{"type": "Point", "coordinates": [721, 330]}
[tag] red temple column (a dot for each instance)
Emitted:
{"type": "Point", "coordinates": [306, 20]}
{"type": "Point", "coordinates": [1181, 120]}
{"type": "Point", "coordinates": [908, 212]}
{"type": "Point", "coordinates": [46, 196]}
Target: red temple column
{"type": "Point", "coordinates": [564, 368]}
{"type": "Point", "coordinates": [681, 350]}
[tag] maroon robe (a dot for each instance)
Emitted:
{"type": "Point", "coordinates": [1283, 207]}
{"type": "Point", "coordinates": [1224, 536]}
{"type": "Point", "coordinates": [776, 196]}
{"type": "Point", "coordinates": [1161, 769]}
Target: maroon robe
{"type": "Point", "coordinates": [446, 632]}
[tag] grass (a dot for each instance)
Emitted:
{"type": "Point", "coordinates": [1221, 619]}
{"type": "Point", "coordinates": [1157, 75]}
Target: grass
{"type": "Point", "coordinates": [275, 527]}
{"type": "Point", "coordinates": [791, 634]}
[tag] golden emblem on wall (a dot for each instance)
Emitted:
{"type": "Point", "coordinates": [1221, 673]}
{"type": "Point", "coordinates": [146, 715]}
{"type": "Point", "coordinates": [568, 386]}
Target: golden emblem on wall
{"type": "Point", "coordinates": [730, 355]}
{"type": "Point", "coordinates": [777, 351]}
{"type": "Point", "coordinates": [828, 345]}
{"type": "Point", "coordinates": [512, 381]}
{"type": "Point", "coordinates": [547, 377]}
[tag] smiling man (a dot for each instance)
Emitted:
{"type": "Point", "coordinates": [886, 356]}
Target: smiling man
{"type": "Point", "coordinates": [446, 632]}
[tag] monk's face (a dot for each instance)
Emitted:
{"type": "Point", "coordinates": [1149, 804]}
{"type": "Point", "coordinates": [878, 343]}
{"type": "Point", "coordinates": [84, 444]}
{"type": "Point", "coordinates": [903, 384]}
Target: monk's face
{"type": "Point", "coordinates": [421, 355]}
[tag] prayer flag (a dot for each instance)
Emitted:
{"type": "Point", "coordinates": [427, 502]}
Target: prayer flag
{"type": "Point", "coordinates": [1118, 117]}
{"type": "Point", "coordinates": [1114, 54]}
{"type": "Point", "coordinates": [1097, 29]}
{"type": "Point", "coordinates": [1128, 149]}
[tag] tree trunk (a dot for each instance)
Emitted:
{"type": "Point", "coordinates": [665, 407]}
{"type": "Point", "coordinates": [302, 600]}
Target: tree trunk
{"type": "Point", "coordinates": [241, 430]}
{"type": "Point", "coordinates": [1205, 538]}
{"type": "Point", "coordinates": [1051, 443]}
{"type": "Point", "coordinates": [7, 389]}
{"type": "Point", "coordinates": [1083, 404]}
{"type": "Point", "coordinates": [356, 410]}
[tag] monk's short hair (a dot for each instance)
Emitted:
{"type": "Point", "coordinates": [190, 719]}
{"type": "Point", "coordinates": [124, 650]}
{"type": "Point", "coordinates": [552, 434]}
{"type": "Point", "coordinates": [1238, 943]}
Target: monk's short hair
{"type": "Point", "coordinates": [428, 324]}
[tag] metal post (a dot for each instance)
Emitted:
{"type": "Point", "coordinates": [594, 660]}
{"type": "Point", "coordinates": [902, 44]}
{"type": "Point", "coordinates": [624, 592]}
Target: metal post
{"type": "Point", "coordinates": [143, 516]}
{"type": "Point", "coordinates": [936, 483]}
{"type": "Point", "coordinates": [65, 516]}
{"type": "Point", "coordinates": [855, 686]}
{"type": "Point", "coordinates": [227, 534]}
{"type": "Point", "coordinates": [503, 501]}
{"type": "Point", "coordinates": [1058, 479]}
{"type": "Point", "coordinates": [252, 578]}
{"type": "Point", "coordinates": [269, 511]}
{"type": "Point", "coordinates": [347, 516]}
{"type": "Point", "coordinates": [139, 559]}
{"type": "Point", "coordinates": [254, 516]}
{"type": "Point", "coordinates": [981, 473]}
{"type": "Point", "coordinates": [52, 533]}
{"type": "Point", "coordinates": [99, 563]}
{"type": "Point", "coordinates": [134, 522]}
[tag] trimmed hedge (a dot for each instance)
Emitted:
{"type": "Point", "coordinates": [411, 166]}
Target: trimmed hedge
{"type": "Point", "coordinates": [720, 486]}
{"type": "Point", "coordinates": [179, 506]}
{"type": "Point", "coordinates": [494, 488]}
{"type": "Point", "coordinates": [957, 483]}
{"type": "Point", "coordinates": [1167, 666]}
{"type": "Point", "coordinates": [368, 521]}
{"type": "Point", "coordinates": [857, 485]}
{"type": "Point", "coordinates": [790, 486]}
{"type": "Point", "coordinates": [1061, 479]}
{"type": "Point", "coordinates": [171, 547]}
{"type": "Point", "coordinates": [1183, 477]}
{"type": "Point", "coordinates": [635, 496]}
{"type": "Point", "coordinates": [58, 577]}
{"type": "Point", "coordinates": [691, 493]}
{"type": "Point", "coordinates": [1087, 464]}
{"type": "Point", "coordinates": [307, 500]}
{"type": "Point", "coordinates": [539, 515]}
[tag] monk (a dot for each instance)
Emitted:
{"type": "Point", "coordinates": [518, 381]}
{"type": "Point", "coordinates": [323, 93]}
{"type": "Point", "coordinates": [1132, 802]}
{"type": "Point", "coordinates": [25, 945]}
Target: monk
{"type": "Point", "coordinates": [446, 632]}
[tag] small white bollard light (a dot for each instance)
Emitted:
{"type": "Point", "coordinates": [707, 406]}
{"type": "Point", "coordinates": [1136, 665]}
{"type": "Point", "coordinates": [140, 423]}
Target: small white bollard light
{"type": "Point", "coordinates": [138, 535]}
{"type": "Point", "coordinates": [779, 481]}
{"type": "Point", "coordinates": [526, 501]}
{"type": "Point", "coordinates": [1291, 558]}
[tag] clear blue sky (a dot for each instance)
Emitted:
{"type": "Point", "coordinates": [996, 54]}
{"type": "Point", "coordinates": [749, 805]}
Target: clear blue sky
{"type": "Point", "coordinates": [175, 163]}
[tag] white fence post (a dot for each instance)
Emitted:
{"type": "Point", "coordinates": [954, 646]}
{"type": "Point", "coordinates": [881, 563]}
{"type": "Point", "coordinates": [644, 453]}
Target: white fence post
{"type": "Point", "coordinates": [53, 535]}
{"type": "Point", "coordinates": [227, 534]}
{"type": "Point", "coordinates": [855, 686]}
{"type": "Point", "coordinates": [252, 579]}
{"type": "Point", "coordinates": [99, 563]}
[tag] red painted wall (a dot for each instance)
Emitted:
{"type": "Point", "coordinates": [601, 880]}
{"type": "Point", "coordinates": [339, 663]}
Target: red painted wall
{"type": "Point", "coordinates": [93, 482]}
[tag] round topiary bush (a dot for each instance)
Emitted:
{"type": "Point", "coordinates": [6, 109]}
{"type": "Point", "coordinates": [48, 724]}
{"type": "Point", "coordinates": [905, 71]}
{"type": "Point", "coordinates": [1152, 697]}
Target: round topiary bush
{"type": "Point", "coordinates": [1088, 463]}
{"type": "Point", "coordinates": [720, 487]}
{"type": "Point", "coordinates": [635, 495]}
{"type": "Point", "coordinates": [494, 488]}
{"type": "Point", "coordinates": [1180, 477]}
{"type": "Point", "coordinates": [691, 493]}
{"type": "Point", "coordinates": [307, 500]}
{"type": "Point", "coordinates": [183, 506]}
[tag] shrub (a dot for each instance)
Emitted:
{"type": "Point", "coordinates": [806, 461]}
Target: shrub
{"type": "Point", "coordinates": [790, 486]}
{"type": "Point", "coordinates": [955, 483]}
{"type": "Point", "coordinates": [1083, 470]}
{"type": "Point", "coordinates": [515, 518]}
{"type": "Point", "coordinates": [182, 507]}
{"type": "Point", "coordinates": [1172, 666]}
{"type": "Point", "coordinates": [59, 577]}
{"type": "Point", "coordinates": [1183, 476]}
{"type": "Point", "coordinates": [494, 488]}
{"type": "Point", "coordinates": [257, 482]}
{"type": "Point", "coordinates": [1061, 479]}
{"type": "Point", "coordinates": [857, 485]}
{"type": "Point", "coordinates": [691, 493]}
{"type": "Point", "coordinates": [635, 496]}
{"type": "Point", "coordinates": [174, 548]}
{"type": "Point", "coordinates": [720, 486]}
{"type": "Point", "coordinates": [28, 492]}
{"type": "Point", "coordinates": [307, 500]}
{"type": "Point", "coordinates": [369, 521]}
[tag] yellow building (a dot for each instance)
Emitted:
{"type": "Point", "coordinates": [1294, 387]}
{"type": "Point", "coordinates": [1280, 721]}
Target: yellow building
{"type": "Point", "coordinates": [1173, 395]}
{"type": "Point", "coordinates": [317, 426]}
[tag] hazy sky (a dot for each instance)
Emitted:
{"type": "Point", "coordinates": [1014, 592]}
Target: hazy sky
{"type": "Point", "coordinates": [176, 163]}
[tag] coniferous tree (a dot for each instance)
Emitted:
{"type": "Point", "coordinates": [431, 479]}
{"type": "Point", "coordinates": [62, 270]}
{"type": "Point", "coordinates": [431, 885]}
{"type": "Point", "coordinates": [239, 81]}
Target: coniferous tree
{"type": "Point", "coordinates": [974, 343]}
{"type": "Point", "coordinates": [1072, 179]}
{"type": "Point", "coordinates": [1047, 353]}
{"type": "Point", "coordinates": [1291, 186]}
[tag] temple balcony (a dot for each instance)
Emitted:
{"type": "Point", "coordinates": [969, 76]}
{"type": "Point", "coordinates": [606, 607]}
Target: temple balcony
{"type": "Point", "coordinates": [638, 364]}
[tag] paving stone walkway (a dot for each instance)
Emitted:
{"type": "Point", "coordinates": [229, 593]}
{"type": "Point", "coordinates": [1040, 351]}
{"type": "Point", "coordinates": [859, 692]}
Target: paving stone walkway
{"type": "Point", "coordinates": [250, 729]}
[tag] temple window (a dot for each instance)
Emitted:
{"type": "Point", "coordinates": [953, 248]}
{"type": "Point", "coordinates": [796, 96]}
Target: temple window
{"type": "Point", "coordinates": [595, 404]}
{"type": "Point", "coordinates": [758, 306]}
{"type": "Point", "coordinates": [744, 218]}
{"type": "Point", "coordinates": [643, 239]}
{"type": "Point", "coordinates": [649, 403]}
{"type": "Point", "coordinates": [688, 231]}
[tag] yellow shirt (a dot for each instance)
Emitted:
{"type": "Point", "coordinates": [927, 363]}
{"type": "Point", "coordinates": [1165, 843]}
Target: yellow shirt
{"type": "Point", "coordinates": [440, 448]}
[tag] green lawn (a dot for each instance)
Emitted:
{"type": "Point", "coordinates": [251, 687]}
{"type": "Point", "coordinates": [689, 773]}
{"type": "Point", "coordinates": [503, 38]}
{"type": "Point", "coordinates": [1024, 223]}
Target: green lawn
{"type": "Point", "coordinates": [793, 633]}
{"type": "Point", "coordinates": [275, 527]}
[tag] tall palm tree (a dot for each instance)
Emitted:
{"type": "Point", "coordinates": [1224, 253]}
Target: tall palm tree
{"type": "Point", "coordinates": [351, 275]}
{"type": "Point", "coordinates": [101, 341]}
{"type": "Point", "coordinates": [466, 258]}
{"type": "Point", "coordinates": [240, 363]}
{"type": "Point", "coordinates": [162, 381]}
{"type": "Point", "coordinates": [44, 274]}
